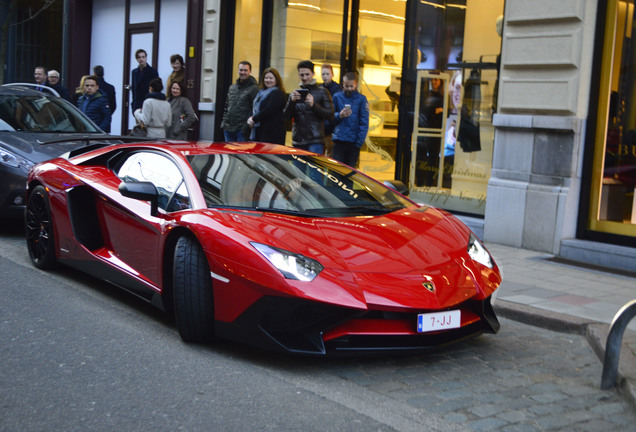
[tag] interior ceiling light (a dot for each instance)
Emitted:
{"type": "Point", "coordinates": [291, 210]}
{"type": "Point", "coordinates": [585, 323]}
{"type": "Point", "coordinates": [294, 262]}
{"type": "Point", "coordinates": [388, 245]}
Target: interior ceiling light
{"type": "Point", "coordinates": [305, 5]}
{"type": "Point", "coordinates": [382, 14]}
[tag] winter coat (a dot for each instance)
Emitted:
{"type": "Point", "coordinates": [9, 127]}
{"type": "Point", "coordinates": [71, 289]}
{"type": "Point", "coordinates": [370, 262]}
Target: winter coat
{"type": "Point", "coordinates": [183, 117]}
{"type": "Point", "coordinates": [333, 88]}
{"type": "Point", "coordinates": [238, 106]}
{"type": "Point", "coordinates": [108, 90]}
{"type": "Point", "coordinates": [269, 123]}
{"type": "Point", "coordinates": [155, 114]}
{"type": "Point", "coordinates": [96, 108]}
{"type": "Point", "coordinates": [355, 127]}
{"type": "Point", "coordinates": [140, 83]}
{"type": "Point", "coordinates": [309, 122]}
{"type": "Point", "coordinates": [62, 91]}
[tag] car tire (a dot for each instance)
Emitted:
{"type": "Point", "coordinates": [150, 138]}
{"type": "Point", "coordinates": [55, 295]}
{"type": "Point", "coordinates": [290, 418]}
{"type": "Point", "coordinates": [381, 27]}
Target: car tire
{"type": "Point", "coordinates": [39, 229]}
{"type": "Point", "coordinates": [193, 295]}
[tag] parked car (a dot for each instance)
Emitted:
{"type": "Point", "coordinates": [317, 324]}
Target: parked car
{"type": "Point", "coordinates": [35, 126]}
{"type": "Point", "coordinates": [264, 244]}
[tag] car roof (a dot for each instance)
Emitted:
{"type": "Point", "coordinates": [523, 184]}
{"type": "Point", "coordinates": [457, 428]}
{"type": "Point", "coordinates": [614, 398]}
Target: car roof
{"type": "Point", "coordinates": [188, 148]}
{"type": "Point", "coordinates": [25, 89]}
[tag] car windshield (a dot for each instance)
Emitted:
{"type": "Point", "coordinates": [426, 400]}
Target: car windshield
{"type": "Point", "coordinates": [305, 185]}
{"type": "Point", "coordinates": [41, 113]}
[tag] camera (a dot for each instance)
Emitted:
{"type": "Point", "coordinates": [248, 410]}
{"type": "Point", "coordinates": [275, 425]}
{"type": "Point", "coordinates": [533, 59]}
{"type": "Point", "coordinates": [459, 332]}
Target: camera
{"type": "Point", "coordinates": [303, 93]}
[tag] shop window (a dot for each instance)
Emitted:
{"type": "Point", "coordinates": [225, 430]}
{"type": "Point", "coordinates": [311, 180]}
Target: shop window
{"type": "Point", "coordinates": [456, 62]}
{"type": "Point", "coordinates": [247, 35]}
{"type": "Point", "coordinates": [380, 48]}
{"type": "Point", "coordinates": [613, 206]}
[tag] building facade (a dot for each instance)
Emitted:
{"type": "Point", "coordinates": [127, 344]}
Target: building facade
{"type": "Point", "coordinates": [515, 115]}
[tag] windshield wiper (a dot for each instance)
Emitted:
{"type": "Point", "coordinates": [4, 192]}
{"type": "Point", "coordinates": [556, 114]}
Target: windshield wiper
{"type": "Point", "coordinates": [286, 211]}
{"type": "Point", "coordinates": [348, 210]}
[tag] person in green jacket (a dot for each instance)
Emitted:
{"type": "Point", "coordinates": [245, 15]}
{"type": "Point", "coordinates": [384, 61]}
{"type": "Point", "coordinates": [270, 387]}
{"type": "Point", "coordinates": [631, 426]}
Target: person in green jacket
{"type": "Point", "coordinates": [238, 106]}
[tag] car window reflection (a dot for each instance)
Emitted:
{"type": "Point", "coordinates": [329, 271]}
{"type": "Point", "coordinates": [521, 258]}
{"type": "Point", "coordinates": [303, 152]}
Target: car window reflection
{"type": "Point", "coordinates": [163, 173]}
{"type": "Point", "coordinates": [309, 184]}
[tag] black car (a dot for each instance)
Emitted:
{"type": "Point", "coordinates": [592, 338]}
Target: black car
{"type": "Point", "coordinates": [36, 126]}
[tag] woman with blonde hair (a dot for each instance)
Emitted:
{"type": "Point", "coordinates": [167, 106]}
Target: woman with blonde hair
{"type": "Point", "coordinates": [79, 91]}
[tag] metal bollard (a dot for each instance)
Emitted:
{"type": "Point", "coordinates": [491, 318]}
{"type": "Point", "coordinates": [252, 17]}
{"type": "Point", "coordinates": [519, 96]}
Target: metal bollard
{"type": "Point", "coordinates": [613, 345]}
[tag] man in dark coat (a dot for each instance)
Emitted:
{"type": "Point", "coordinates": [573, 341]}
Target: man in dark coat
{"type": "Point", "coordinates": [94, 104]}
{"type": "Point", "coordinates": [55, 84]}
{"type": "Point", "coordinates": [238, 106]}
{"type": "Point", "coordinates": [309, 106]}
{"type": "Point", "coordinates": [40, 77]}
{"type": "Point", "coordinates": [141, 77]}
{"type": "Point", "coordinates": [326, 72]}
{"type": "Point", "coordinates": [107, 89]}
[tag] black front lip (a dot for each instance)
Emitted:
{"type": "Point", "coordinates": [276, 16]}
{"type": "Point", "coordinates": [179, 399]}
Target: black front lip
{"type": "Point", "coordinates": [297, 326]}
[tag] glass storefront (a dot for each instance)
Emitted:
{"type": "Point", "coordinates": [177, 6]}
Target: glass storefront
{"type": "Point", "coordinates": [613, 202]}
{"type": "Point", "coordinates": [448, 153]}
{"type": "Point", "coordinates": [457, 62]}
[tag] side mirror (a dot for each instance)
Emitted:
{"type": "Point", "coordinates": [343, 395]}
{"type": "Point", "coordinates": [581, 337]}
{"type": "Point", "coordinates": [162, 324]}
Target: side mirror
{"type": "Point", "coordinates": [144, 191]}
{"type": "Point", "coordinates": [398, 186]}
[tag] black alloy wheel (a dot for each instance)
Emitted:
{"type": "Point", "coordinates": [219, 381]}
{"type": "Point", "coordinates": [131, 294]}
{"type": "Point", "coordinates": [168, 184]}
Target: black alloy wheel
{"type": "Point", "coordinates": [39, 230]}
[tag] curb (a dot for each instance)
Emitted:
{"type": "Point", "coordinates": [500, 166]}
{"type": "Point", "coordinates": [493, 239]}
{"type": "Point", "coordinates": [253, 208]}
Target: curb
{"type": "Point", "coordinates": [595, 333]}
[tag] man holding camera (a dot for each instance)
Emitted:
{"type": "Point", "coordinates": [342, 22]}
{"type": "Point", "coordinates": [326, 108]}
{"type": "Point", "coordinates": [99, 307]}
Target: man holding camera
{"type": "Point", "coordinates": [309, 106]}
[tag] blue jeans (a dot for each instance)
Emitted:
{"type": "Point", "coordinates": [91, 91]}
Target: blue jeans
{"type": "Point", "coordinates": [316, 148]}
{"type": "Point", "coordinates": [234, 136]}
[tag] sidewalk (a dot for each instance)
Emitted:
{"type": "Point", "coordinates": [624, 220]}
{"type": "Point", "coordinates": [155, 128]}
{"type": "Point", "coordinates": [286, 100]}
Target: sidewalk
{"type": "Point", "coordinates": [539, 290]}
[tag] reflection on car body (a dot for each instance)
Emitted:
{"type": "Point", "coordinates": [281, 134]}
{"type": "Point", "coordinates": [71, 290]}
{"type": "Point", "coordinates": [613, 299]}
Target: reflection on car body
{"type": "Point", "coordinates": [268, 245]}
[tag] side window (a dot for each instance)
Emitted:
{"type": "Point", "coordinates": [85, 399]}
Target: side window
{"type": "Point", "coordinates": [163, 173]}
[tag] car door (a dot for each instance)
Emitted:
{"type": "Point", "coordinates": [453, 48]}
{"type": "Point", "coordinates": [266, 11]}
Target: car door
{"type": "Point", "coordinates": [134, 235]}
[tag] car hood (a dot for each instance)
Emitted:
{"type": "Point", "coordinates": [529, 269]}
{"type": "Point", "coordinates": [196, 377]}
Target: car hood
{"type": "Point", "coordinates": [34, 147]}
{"type": "Point", "coordinates": [386, 260]}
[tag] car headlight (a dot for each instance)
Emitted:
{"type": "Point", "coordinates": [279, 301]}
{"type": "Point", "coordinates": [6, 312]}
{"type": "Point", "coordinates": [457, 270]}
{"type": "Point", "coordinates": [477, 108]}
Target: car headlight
{"type": "Point", "coordinates": [9, 159]}
{"type": "Point", "coordinates": [291, 265]}
{"type": "Point", "coordinates": [478, 252]}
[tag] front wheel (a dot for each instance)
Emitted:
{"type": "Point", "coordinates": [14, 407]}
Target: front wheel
{"type": "Point", "coordinates": [39, 229]}
{"type": "Point", "coordinates": [193, 296]}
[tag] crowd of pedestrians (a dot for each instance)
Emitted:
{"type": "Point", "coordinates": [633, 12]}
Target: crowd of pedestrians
{"type": "Point", "coordinates": [326, 118]}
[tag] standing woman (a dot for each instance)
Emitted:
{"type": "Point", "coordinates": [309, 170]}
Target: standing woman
{"type": "Point", "coordinates": [183, 115]}
{"type": "Point", "coordinates": [267, 121]}
{"type": "Point", "coordinates": [178, 73]}
{"type": "Point", "coordinates": [155, 113]}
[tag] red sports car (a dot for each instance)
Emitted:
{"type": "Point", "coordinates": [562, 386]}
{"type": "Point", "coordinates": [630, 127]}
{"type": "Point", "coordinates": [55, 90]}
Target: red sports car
{"type": "Point", "coordinates": [268, 245]}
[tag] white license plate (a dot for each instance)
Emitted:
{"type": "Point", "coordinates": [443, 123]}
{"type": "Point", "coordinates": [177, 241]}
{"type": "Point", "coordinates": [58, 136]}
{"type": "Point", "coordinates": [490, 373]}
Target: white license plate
{"type": "Point", "coordinates": [438, 321]}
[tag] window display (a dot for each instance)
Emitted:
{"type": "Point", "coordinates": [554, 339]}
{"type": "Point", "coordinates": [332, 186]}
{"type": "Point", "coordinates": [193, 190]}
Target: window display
{"type": "Point", "coordinates": [457, 73]}
{"type": "Point", "coordinates": [613, 206]}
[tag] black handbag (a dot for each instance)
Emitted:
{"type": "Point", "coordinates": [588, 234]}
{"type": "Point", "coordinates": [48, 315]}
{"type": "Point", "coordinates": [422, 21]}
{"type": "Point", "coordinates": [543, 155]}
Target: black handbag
{"type": "Point", "coordinates": [139, 131]}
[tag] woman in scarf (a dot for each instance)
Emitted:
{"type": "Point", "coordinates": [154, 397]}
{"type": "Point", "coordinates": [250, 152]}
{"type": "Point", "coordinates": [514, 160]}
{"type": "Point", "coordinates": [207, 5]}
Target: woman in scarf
{"type": "Point", "coordinates": [155, 113]}
{"type": "Point", "coordinates": [183, 115]}
{"type": "Point", "coordinates": [267, 121]}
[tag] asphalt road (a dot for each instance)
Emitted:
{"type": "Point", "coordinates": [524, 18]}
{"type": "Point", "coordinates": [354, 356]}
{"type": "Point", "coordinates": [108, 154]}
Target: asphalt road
{"type": "Point", "coordinates": [78, 354]}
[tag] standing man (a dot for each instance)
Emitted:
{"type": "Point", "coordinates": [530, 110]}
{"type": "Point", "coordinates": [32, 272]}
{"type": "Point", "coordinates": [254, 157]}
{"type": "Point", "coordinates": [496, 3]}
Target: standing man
{"type": "Point", "coordinates": [141, 77]}
{"type": "Point", "coordinates": [40, 76]}
{"type": "Point", "coordinates": [352, 121]}
{"type": "Point", "coordinates": [238, 106]}
{"type": "Point", "coordinates": [55, 84]}
{"type": "Point", "coordinates": [326, 72]}
{"type": "Point", "coordinates": [94, 104]}
{"type": "Point", "coordinates": [310, 106]}
{"type": "Point", "coordinates": [107, 89]}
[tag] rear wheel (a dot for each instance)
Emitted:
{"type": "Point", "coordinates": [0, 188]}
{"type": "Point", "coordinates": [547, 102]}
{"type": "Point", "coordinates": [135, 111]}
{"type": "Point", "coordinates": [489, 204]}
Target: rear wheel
{"type": "Point", "coordinates": [193, 296]}
{"type": "Point", "coordinates": [39, 229]}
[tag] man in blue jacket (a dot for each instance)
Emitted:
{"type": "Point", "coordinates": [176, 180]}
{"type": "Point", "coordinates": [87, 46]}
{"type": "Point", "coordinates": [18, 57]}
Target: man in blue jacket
{"type": "Point", "coordinates": [352, 121]}
{"type": "Point", "coordinates": [94, 104]}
